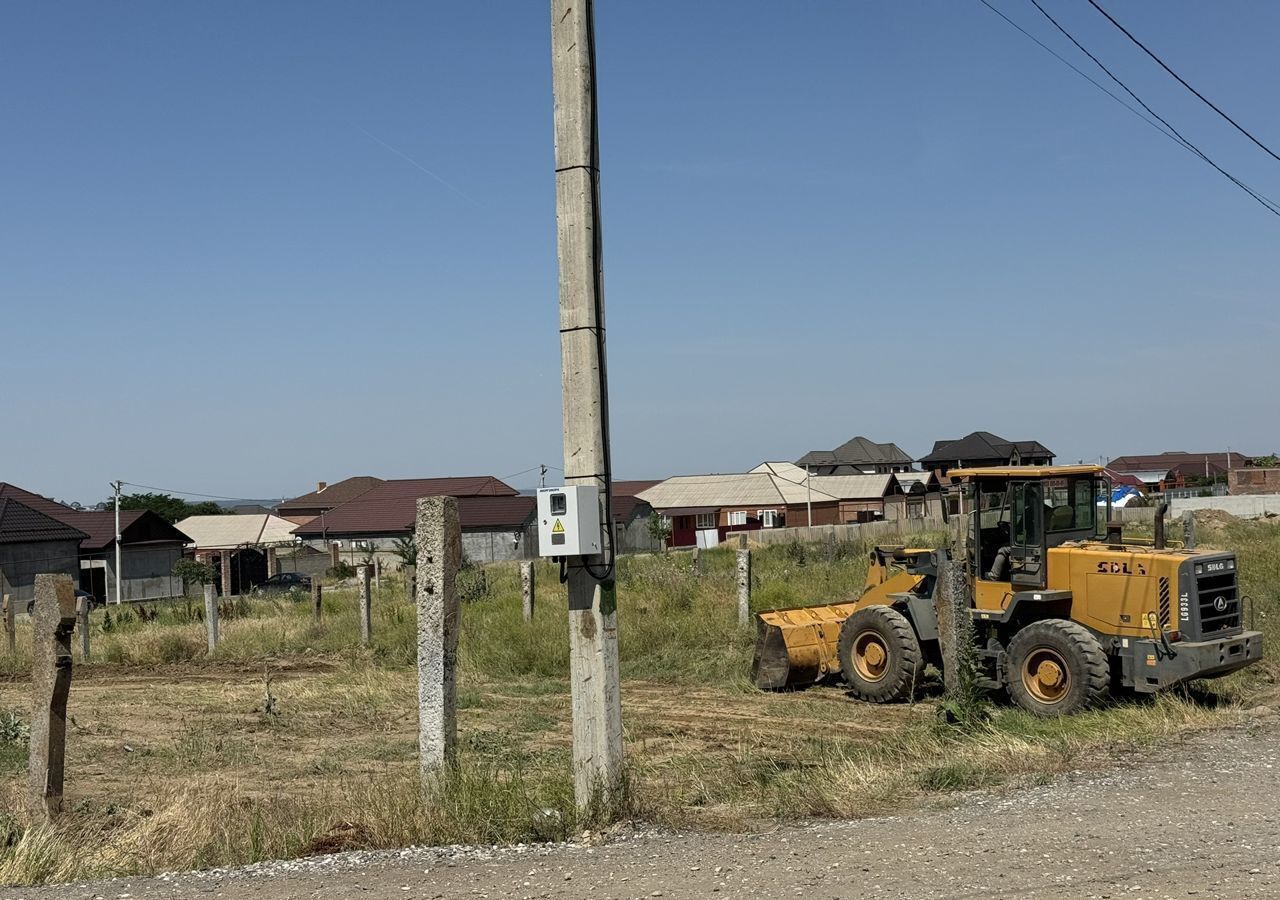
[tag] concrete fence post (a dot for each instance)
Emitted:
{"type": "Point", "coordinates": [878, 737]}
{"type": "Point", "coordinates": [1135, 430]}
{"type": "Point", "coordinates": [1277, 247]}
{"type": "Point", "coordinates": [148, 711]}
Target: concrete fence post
{"type": "Point", "coordinates": [377, 571]}
{"type": "Point", "coordinates": [526, 589]}
{"type": "Point", "coordinates": [410, 582]}
{"type": "Point", "coordinates": [1189, 530]}
{"type": "Point", "coordinates": [82, 625]}
{"type": "Point", "coordinates": [316, 597]}
{"type": "Point", "coordinates": [744, 587]}
{"type": "Point", "coordinates": [439, 539]}
{"type": "Point", "coordinates": [366, 613]}
{"type": "Point", "coordinates": [10, 624]}
{"type": "Point", "coordinates": [225, 558]}
{"type": "Point", "coordinates": [53, 620]}
{"type": "Point", "coordinates": [334, 554]}
{"type": "Point", "coordinates": [955, 628]}
{"type": "Point", "coordinates": [211, 616]}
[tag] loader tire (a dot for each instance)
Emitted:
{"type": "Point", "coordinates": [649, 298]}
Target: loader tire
{"type": "Point", "coordinates": [1057, 667]}
{"type": "Point", "coordinates": [880, 657]}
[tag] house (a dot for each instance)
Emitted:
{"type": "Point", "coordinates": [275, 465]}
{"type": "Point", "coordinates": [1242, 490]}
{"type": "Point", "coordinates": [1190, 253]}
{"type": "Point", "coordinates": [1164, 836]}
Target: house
{"type": "Point", "coordinates": [149, 547]}
{"type": "Point", "coordinates": [631, 516]}
{"type": "Point", "coordinates": [703, 509]}
{"type": "Point", "coordinates": [33, 543]}
{"type": "Point", "coordinates": [325, 497]}
{"type": "Point", "coordinates": [921, 496]}
{"type": "Point", "coordinates": [862, 498]}
{"type": "Point", "coordinates": [247, 550]}
{"type": "Point", "coordinates": [496, 520]}
{"type": "Point", "coordinates": [982, 448]}
{"type": "Point", "coordinates": [1254, 480]}
{"type": "Point", "coordinates": [1179, 469]}
{"type": "Point", "coordinates": [856, 456]}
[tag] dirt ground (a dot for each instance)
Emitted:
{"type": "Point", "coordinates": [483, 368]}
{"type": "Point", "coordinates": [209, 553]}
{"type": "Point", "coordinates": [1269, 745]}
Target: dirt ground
{"type": "Point", "coordinates": [133, 736]}
{"type": "Point", "coordinates": [1193, 819]}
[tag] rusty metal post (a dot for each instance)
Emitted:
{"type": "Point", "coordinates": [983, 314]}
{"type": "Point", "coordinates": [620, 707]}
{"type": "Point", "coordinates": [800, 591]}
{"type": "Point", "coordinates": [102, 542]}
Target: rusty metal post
{"type": "Point", "coordinates": [53, 621]}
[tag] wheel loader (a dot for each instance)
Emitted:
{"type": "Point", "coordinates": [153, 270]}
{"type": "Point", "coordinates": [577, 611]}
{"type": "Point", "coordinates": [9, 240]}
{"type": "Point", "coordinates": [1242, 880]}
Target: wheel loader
{"type": "Point", "coordinates": [1064, 608]}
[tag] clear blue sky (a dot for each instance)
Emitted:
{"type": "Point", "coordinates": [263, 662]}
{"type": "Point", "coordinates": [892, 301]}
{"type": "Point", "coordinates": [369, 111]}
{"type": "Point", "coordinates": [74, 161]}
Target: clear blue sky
{"type": "Point", "coordinates": [220, 273]}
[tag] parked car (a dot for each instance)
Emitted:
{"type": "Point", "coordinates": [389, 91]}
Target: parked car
{"type": "Point", "coordinates": [94, 602]}
{"type": "Point", "coordinates": [285, 583]}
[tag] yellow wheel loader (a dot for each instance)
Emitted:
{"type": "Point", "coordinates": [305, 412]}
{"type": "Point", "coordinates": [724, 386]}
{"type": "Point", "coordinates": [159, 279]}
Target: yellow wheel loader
{"type": "Point", "coordinates": [1064, 608]}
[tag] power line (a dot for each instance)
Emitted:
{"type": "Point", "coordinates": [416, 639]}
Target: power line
{"type": "Point", "coordinates": [1240, 128]}
{"type": "Point", "coordinates": [1086, 76]}
{"type": "Point", "coordinates": [1268, 205]}
{"type": "Point", "coordinates": [151, 487]}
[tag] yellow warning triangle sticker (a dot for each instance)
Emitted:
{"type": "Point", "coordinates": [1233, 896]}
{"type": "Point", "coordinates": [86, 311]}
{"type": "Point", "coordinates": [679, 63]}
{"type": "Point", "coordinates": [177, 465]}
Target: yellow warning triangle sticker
{"type": "Point", "coordinates": [557, 528]}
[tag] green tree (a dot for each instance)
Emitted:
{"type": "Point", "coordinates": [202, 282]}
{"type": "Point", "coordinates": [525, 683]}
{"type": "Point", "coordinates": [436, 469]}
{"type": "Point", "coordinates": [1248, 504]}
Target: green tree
{"type": "Point", "coordinates": [660, 530]}
{"type": "Point", "coordinates": [171, 509]}
{"type": "Point", "coordinates": [407, 549]}
{"type": "Point", "coordinates": [1270, 461]}
{"type": "Point", "coordinates": [192, 571]}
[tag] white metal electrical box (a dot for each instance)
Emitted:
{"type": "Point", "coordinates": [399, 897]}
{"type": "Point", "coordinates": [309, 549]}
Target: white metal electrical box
{"type": "Point", "coordinates": [569, 521]}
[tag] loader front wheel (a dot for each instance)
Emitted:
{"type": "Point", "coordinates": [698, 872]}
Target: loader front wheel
{"type": "Point", "coordinates": [880, 657]}
{"type": "Point", "coordinates": [1057, 667]}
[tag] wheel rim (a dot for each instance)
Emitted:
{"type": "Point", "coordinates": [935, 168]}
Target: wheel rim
{"type": "Point", "coordinates": [1045, 675]}
{"type": "Point", "coordinates": [870, 656]}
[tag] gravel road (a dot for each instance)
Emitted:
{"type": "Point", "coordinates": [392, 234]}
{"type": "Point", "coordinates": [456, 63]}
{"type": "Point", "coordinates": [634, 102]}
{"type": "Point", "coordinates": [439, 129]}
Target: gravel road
{"type": "Point", "coordinates": [1200, 819]}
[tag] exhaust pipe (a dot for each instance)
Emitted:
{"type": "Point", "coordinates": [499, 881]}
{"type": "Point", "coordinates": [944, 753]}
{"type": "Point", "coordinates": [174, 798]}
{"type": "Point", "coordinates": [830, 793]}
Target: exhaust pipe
{"type": "Point", "coordinates": [1159, 524]}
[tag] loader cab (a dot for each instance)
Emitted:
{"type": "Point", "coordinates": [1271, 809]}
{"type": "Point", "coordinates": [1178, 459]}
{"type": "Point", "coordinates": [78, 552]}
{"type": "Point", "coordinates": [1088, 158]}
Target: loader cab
{"type": "Point", "coordinates": [1016, 513]}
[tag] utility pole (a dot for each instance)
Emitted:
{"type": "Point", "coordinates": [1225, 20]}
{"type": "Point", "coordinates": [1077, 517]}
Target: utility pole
{"type": "Point", "coordinates": [542, 476]}
{"type": "Point", "coordinates": [808, 494]}
{"type": "Point", "coordinates": [119, 596]}
{"type": "Point", "coordinates": [593, 617]}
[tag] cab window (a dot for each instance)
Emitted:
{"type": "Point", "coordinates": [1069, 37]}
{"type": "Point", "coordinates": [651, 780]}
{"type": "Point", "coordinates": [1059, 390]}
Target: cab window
{"type": "Point", "coordinates": [1070, 504]}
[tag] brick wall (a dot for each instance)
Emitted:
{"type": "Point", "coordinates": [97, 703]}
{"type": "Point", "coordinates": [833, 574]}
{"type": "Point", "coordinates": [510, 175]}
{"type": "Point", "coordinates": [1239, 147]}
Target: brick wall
{"type": "Point", "coordinates": [1254, 481]}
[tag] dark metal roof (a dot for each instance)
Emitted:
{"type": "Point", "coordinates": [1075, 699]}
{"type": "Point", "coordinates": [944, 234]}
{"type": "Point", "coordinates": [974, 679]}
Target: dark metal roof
{"type": "Point", "coordinates": [857, 451]}
{"type": "Point", "coordinates": [137, 526]}
{"type": "Point", "coordinates": [333, 495]}
{"type": "Point", "coordinates": [34, 501]}
{"type": "Point", "coordinates": [397, 514]}
{"type": "Point", "coordinates": [983, 445]}
{"type": "Point", "coordinates": [20, 524]}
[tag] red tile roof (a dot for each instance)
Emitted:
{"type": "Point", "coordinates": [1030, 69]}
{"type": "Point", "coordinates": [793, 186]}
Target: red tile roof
{"type": "Point", "coordinates": [332, 496]}
{"type": "Point", "coordinates": [396, 515]}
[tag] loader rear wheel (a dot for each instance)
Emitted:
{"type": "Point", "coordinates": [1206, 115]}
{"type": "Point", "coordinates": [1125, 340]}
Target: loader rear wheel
{"type": "Point", "coordinates": [1057, 667]}
{"type": "Point", "coordinates": [880, 657]}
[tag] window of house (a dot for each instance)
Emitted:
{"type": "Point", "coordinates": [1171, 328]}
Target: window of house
{"type": "Point", "coordinates": [738, 517]}
{"type": "Point", "coordinates": [768, 518]}
{"type": "Point", "coordinates": [706, 520]}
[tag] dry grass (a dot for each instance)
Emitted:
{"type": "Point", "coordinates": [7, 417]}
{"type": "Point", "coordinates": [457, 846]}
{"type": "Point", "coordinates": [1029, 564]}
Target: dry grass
{"type": "Point", "coordinates": [175, 763]}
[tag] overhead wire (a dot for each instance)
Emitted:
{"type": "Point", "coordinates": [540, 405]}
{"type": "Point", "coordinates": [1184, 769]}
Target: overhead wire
{"type": "Point", "coordinates": [1182, 81]}
{"type": "Point", "coordinates": [1267, 204]}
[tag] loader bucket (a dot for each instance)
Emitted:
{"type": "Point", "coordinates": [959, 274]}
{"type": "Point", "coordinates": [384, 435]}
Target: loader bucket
{"type": "Point", "coordinates": [796, 647]}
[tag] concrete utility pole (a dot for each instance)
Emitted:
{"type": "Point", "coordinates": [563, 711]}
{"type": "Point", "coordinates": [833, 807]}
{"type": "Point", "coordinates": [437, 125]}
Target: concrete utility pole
{"type": "Point", "coordinates": [593, 617]}
{"type": "Point", "coordinates": [119, 594]}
